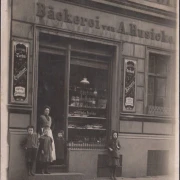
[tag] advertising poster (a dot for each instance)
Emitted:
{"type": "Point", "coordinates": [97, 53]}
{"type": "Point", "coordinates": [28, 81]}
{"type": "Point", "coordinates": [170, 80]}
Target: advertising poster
{"type": "Point", "coordinates": [129, 90]}
{"type": "Point", "coordinates": [20, 58]}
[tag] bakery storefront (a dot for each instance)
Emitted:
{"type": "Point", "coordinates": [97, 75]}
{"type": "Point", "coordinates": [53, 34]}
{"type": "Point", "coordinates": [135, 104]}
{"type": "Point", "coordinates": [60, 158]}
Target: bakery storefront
{"type": "Point", "coordinates": [98, 71]}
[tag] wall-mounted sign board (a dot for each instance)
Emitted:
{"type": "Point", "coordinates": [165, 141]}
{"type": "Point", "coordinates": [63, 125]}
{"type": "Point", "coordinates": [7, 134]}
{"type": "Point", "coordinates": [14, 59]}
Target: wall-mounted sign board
{"type": "Point", "coordinates": [129, 90]}
{"type": "Point", "coordinates": [20, 72]}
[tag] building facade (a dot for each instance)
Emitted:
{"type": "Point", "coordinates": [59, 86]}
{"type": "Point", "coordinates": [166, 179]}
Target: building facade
{"type": "Point", "coordinates": [101, 65]}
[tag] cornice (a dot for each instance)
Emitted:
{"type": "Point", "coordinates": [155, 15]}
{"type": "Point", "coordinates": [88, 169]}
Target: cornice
{"type": "Point", "coordinates": [128, 9]}
{"type": "Point", "coordinates": [145, 5]}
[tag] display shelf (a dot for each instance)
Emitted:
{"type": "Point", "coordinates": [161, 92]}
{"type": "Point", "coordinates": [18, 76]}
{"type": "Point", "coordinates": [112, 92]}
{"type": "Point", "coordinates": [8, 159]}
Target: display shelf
{"type": "Point", "coordinates": [83, 117]}
{"type": "Point", "coordinates": [94, 108]}
{"type": "Point", "coordinates": [78, 128]}
{"type": "Point", "coordinates": [87, 113]}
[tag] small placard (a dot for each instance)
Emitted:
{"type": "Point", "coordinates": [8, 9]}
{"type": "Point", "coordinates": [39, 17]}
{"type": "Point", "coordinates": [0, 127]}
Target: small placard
{"type": "Point", "coordinates": [129, 90]}
{"type": "Point", "coordinates": [19, 82]}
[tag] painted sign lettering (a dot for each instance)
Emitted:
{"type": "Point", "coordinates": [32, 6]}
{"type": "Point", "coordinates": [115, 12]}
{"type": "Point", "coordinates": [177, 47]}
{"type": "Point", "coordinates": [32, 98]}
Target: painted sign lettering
{"type": "Point", "coordinates": [20, 72]}
{"type": "Point", "coordinates": [131, 30]}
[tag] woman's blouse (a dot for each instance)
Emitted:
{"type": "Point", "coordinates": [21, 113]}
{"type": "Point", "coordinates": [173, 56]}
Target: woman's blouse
{"type": "Point", "coordinates": [46, 121]}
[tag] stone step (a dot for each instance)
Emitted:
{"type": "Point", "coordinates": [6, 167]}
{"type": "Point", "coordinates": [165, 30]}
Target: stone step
{"type": "Point", "coordinates": [57, 168]}
{"type": "Point", "coordinates": [58, 176]}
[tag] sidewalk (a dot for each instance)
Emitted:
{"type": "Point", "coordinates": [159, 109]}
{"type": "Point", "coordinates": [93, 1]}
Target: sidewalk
{"type": "Point", "coordinates": [140, 178]}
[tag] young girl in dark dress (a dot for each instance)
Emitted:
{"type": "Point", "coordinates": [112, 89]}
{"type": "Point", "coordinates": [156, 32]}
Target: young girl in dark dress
{"type": "Point", "coordinates": [45, 149]}
{"type": "Point", "coordinates": [60, 147]}
{"type": "Point", "coordinates": [113, 147]}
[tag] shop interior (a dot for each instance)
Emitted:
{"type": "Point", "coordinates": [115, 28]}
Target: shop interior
{"type": "Point", "coordinates": [51, 90]}
{"type": "Point", "coordinates": [87, 106]}
{"type": "Point", "coordinates": [78, 93]}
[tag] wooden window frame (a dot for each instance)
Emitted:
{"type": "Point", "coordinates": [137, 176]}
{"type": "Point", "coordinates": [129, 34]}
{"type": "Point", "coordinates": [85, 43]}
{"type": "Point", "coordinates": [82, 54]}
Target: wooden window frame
{"type": "Point", "coordinates": [147, 74]}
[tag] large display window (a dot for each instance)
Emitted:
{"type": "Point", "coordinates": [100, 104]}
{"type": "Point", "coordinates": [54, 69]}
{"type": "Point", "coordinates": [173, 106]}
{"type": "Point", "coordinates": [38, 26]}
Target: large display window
{"type": "Point", "coordinates": [74, 79]}
{"type": "Point", "coordinates": [88, 99]}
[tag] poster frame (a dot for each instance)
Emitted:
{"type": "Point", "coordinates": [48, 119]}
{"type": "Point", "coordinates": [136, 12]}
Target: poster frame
{"type": "Point", "coordinates": [126, 60]}
{"type": "Point", "coordinates": [27, 45]}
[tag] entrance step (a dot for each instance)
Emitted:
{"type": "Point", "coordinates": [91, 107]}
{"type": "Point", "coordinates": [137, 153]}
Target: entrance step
{"type": "Point", "coordinates": [58, 176]}
{"type": "Point", "coordinates": [57, 168]}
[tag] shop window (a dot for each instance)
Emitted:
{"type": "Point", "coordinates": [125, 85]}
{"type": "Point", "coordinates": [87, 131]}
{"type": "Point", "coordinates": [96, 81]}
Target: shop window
{"type": "Point", "coordinates": [74, 80]}
{"type": "Point", "coordinates": [157, 163]}
{"type": "Point", "coordinates": [87, 116]}
{"type": "Point", "coordinates": [158, 90]}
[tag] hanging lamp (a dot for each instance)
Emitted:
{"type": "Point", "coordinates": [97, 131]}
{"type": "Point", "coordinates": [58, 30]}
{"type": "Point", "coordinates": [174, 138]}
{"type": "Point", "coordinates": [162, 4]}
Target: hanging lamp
{"type": "Point", "coordinates": [84, 81]}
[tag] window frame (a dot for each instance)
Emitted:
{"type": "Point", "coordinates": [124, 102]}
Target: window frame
{"type": "Point", "coordinates": [147, 74]}
{"type": "Point", "coordinates": [157, 76]}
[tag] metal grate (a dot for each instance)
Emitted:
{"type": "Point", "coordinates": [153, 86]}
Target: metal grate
{"type": "Point", "coordinates": [157, 110]}
{"type": "Point", "coordinates": [157, 163]}
{"type": "Point", "coordinates": [84, 145]}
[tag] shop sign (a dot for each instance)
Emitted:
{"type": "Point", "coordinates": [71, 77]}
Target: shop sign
{"type": "Point", "coordinates": [129, 94]}
{"type": "Point", "coordinates": [130, 29]}
{"type": "Point", "coordinates": [20, 59]}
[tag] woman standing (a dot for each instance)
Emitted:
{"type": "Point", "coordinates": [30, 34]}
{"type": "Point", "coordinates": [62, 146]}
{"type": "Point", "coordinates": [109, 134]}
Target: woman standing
{"type": "Point", "coordinates": [46, 123]}
{"type": "Point", "coordinates": [113, 147]}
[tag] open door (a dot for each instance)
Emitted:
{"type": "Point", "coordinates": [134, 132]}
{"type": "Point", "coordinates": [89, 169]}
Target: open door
{"type": "Point", "coordinates": [52, 82]}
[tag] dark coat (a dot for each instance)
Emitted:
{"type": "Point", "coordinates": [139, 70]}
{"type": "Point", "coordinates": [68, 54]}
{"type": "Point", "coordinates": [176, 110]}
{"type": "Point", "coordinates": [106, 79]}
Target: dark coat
{"type": "Point", "coordinates": [46, 146]}
{"type": "Point", "coordinates": [30, 141]}
{"type": "Point", "coordinates": [115, 145]}
{"type": "Point", "coordinates": [60, 148]}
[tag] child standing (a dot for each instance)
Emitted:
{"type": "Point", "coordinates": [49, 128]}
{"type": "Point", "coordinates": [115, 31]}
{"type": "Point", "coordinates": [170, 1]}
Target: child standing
{"type": "Point", "coordinates": [45, 149]}
{"type": "Point", "coordinates": [30, 144]}
{"type": "Point", "coordinates": [113, 147]}
{"type": "Point", "coordinates": [60, 147]}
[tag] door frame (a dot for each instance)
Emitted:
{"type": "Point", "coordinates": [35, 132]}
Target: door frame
{"type": "Point", "coordinates": [115, 75]}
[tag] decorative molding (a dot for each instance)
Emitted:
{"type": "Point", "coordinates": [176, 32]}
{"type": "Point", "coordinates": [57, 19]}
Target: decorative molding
{"type": "Point", "coordinates": [19, 107]}
{"type": "Point", "coordinates": [97, 150]}
{"type": "Point", "coordinates": [145, 136]}
{"type": "Point", "coordinates": [156, 6]}
{"type": "Point", "coordinates": [78, 35]}
{"type": "Point", "coordinates": [18, 131]}
{"type": "Point", "coordinates": [135, 10]}
{"type": "Point", "coordinates": [146, 118]}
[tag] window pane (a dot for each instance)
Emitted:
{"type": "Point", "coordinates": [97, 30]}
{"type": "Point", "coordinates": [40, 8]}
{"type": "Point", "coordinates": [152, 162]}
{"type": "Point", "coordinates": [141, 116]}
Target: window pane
{"type": "Point", "coordinates": [160, 101]}
{"type": "Point", "coordinates": [151, 100]}
{"type": "Point", "coordinates": [87, 105]}
{"type": "Point", "coordinates": [160, 89]}
{"type": "Point", "coordinates": [152, 63]}
{"type": "Point", "coordinates": [161, 66]}
{"type": "Point", "coordinates": [151, 85]}
{"type": "Point", "coordinates": [157, 80]}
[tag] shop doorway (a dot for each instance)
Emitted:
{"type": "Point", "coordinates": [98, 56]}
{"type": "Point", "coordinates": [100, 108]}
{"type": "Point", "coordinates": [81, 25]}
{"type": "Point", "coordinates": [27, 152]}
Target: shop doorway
{"type": "Point", "coordinates": [74, 78]}
{"type": "Point", "coordinates": [51, 74]}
